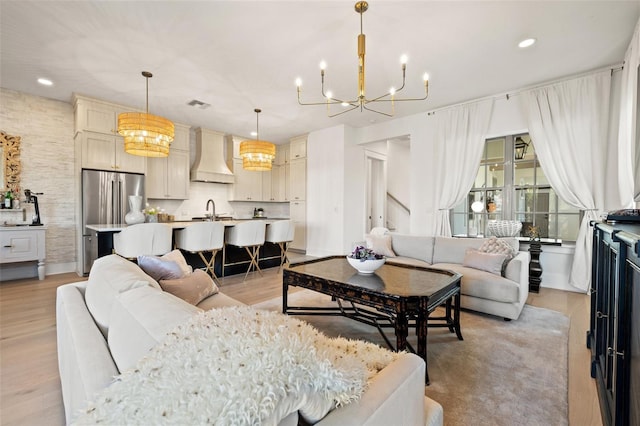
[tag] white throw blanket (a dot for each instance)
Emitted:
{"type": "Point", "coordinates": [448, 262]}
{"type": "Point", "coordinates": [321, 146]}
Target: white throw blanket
{"type": "Point", "coordinates": [239, 366]}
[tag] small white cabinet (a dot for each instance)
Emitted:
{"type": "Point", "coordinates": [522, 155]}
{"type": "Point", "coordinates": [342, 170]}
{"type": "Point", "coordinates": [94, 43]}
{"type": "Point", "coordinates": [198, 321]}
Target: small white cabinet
{"type": "Point", "coordinates": [23, 244]}
{"type": "Point", "coordinates": [298, 213]}
{"type": "Point", "coordinates": [298, 179]}
{"type": "Point", "coordinates": [247, 185]}
{"type": "Point", "coordinates": [168, 177]}
{"type": "Point", "coordinates": [298, 147]}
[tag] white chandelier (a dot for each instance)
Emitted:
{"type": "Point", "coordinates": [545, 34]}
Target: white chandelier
{"type": "Point", "coordinates": [362, 101]}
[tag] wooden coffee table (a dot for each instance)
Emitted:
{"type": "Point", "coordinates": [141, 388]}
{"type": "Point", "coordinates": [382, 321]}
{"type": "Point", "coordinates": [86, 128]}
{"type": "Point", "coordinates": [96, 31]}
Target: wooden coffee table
{"type": "Point", "coordinates": [401, 296]}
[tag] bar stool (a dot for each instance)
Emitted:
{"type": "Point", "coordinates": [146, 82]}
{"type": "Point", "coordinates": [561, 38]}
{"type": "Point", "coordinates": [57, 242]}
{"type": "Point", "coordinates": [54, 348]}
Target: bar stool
{"type": "Point", "coordinates": [281, 232]}
{"type": "Point", "coordinates": [250, 235]}
{"type": "Point", "coordinates": [144, 239]}
{"type": "Point", "coordinates": [200, 238]}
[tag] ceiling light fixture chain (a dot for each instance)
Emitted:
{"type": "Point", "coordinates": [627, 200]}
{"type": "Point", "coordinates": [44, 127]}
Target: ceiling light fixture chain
{"type": "Point", "coordinates": [361, 102]}
{"type": "Point", "coordinates": [145, 134]}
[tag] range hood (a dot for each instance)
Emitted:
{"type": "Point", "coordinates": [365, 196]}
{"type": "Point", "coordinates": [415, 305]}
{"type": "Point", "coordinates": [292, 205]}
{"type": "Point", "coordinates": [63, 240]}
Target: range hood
{"type": "Point", "coordinates": [210, 165]}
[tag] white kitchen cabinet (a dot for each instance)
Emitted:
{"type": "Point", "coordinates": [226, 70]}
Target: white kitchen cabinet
{"type": "Point", "coordinates": [282, 155]}
{"type": "Point", "coordinates": [268, 179]}
{"type": "Point", "coordinates": [23, 244]}
{"type": "Point", "coordinates": [298, 179]}
{"type": "Point", "coordinates": [279, 183]}
{"type": "Point", "coordinates": [247, 185]}
{"type": "Point", "coordinates": [298, 147]}
{"type": "Point", "coordinates": [298, 214]}
{"type": "Point", "coordinates": [96, 116]}
{"type": "Point", "coordinates": [105, 152]}
{"type": "Point", "coordinates": [168, 177]}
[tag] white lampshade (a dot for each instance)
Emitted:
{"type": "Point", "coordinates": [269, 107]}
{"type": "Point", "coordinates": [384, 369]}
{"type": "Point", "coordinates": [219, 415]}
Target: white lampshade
{"type": "Point", "coordinates": [477, 206]}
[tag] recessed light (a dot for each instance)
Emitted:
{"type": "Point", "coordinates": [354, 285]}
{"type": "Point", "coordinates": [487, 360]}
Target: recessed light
{"type": "Point", "coordinates": [527, 42]}
{"type": "Point", "coordinates": [45, 82]}
{"type": "Point", "coordinates": [254, 133]}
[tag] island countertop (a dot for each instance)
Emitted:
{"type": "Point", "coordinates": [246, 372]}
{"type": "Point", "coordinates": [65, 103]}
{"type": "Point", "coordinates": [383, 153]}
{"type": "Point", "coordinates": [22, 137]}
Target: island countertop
{"type": "Point", "coordinates": [117, 227]}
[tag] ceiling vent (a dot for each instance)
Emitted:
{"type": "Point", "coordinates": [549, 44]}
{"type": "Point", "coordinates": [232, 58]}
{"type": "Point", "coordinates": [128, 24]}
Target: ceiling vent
{"type": "Point", "coordinates": [198, 104]}
{"type": "Point", "coordinates": [210, 165]}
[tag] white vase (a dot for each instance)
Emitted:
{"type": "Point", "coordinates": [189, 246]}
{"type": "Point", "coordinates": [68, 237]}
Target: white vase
{"type": "Point", "coordinates": [135, 214]}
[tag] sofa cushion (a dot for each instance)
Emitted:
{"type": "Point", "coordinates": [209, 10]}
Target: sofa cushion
{"type": "Point", "coordinates": [176, 256]}
{"type": "Point", "coordinates": [452, 250]}
{"type": "Point", "coordinates": [380, 244]}
{"type": "Point", "coordinates": [489, 262]}
{"type": "Point", "coordinates": [483, 284]}
{"type": "Point", "coordinates": [414, 246]}
{"type": "Point", "coordinates": [192, 288]}
{"type": "Point", "coordinates": [110, 276]}
{"type": "Point", "coordinates": [140, 319]}
{"type": "Point", "coordinates": [218, 300]}
{"type": "Point", "coordinates": [160, 269]}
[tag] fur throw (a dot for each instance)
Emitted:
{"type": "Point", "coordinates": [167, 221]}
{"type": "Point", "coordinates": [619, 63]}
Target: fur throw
{"type": "Point", "coordinates": [239, 366]}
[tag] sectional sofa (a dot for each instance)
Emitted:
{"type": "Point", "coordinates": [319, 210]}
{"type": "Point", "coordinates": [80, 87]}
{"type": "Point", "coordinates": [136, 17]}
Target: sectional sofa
{"type": "Point", "coordinates": [502, 293]}
{"type": "Point", "coordinates": [98, 333]}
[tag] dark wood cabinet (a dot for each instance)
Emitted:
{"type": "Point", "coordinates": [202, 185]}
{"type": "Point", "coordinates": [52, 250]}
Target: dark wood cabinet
{"type": "Point", "coordinates": [614, 332]}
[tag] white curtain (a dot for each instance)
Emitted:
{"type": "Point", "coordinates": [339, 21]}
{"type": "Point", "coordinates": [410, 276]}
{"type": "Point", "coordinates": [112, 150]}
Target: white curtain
{"type": "Point", "coordinates": [627, 136]}
{"type": "Point", "coordinates": [568, 123]}
{"type": "Point", "coordinates": [460, 135]}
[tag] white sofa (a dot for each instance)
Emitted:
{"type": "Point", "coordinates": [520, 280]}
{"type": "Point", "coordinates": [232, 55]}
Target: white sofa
{"type": "Point", "coordinates": [480, 290]}
{"type": "Point", "coordinates": [88, 355]}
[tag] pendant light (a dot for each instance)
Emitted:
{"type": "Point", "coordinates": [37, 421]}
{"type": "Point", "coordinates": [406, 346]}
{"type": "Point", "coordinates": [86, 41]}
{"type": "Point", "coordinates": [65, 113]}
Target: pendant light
{"type": "Point", "coordinates": [145, 134]}
{"type": "Point", "coordinates": [257, 155]}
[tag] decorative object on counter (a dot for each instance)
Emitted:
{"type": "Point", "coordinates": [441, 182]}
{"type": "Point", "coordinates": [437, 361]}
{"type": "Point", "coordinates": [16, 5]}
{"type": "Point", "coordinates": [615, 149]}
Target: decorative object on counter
{"type": "Point", "coordinates": [504, 228]}
{"type": "Point", "coordinates": [8, 200]}
{"type": "Point", "coordinates": [535, 268]}
{"type": "Point", "coordinates": [259, 212]}
{"type": "Point", "coordinates": [257, 155]}
{"type": "Point", "coordinates": [365, 260]}
{"type": "Point", "coordinates": [135, 214]}
{"type": "Point", "coordinates": [151, 214]}
{"type": "Point", "coordinates": [362, 101]}
{"type": "Point", "coordinates": [10, 166]}
{"type": "Point", "coordinates": [30, 197]}
{"type": "Point", "coordinates": [145, 134]}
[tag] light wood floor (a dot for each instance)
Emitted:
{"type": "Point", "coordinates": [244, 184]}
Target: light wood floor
{"type": "Point", "coordinates": [30, 385]}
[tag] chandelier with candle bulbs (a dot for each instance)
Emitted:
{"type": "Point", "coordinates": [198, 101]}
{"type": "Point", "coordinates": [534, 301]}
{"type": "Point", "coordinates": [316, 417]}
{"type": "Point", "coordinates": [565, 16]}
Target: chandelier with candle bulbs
{"type": "Point", "coordinates": [361, 101]}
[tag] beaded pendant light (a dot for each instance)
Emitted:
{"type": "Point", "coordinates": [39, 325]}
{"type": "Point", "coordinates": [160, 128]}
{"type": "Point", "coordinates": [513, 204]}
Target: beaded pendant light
{"type": "Point", "coordinates": [257, 155]}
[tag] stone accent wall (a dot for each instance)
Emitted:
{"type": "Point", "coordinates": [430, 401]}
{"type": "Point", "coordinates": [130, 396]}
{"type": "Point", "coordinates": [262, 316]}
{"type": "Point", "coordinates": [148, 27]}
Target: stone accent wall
{"type": "Point", "coordinates": [47, 153]}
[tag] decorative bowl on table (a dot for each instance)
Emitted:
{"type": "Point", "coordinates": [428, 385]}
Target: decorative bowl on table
{"type": "Point", "coordinates": [504, 228]}
{"type": "Point", "coordinates": [365, 260]}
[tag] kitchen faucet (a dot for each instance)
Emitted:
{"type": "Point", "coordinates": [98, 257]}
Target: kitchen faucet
{"type": "Point", "coordinates": [213, 212]}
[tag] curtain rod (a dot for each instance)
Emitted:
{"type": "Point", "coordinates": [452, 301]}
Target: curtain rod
{"type": "Point", "coordinates": [507, 95]}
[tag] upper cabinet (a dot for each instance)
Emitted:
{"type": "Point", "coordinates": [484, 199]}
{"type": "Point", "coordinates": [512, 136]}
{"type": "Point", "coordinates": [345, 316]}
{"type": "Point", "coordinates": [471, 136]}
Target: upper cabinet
{"type": "Point", "coordinates": [105, 152]}
{"type": "Point", "coordinates": [168, 177]}
{"type": "Point", "coordinates": [298, 147]}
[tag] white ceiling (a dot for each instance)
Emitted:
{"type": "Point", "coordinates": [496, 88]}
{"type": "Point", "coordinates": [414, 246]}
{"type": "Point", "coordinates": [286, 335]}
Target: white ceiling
{"type": "Point", "coordinates": [239, 55]}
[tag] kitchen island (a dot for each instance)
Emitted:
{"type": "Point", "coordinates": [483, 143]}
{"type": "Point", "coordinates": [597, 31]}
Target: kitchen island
{"type": "Point", "coordinates": [236, 259]}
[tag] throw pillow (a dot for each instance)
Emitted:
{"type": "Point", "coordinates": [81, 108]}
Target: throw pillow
{"type": "Point", "coordinates": [495, 245]}
{"type": "Point", "coordinates": [176, 256]}
{"type": "Point", "coordinates": [489, 262]}
{"type": "Point", "coordinates": [192, 288]}
{"type": "Point", "coordinates": [381, 244]}
{"type": "Point", "coordinates": [160, 269]}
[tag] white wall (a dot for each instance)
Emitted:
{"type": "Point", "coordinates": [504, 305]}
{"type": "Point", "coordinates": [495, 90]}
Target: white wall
{"type": "Point", "coordinates": [47, 158]}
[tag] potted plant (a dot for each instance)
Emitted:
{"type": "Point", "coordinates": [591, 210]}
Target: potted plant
{"type": "Point", "coordinates": [365, 260]}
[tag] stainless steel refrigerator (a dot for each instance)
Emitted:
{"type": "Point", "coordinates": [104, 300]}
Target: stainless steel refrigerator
{"type": "Point", "coordinates": [105, 198]}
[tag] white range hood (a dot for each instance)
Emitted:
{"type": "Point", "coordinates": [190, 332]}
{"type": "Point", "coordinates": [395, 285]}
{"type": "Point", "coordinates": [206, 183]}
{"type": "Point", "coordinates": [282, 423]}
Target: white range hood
{"type": "Point", "coordinates": [210, 165]}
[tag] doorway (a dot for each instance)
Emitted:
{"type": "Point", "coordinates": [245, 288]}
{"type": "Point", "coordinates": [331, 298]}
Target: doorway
{"type": "Point", "coordinates": [376, 191]}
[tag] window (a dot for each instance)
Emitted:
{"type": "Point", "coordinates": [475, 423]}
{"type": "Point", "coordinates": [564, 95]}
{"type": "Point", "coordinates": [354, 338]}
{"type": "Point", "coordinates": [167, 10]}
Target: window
{"type": "Point", "coordinates": [510, 184]}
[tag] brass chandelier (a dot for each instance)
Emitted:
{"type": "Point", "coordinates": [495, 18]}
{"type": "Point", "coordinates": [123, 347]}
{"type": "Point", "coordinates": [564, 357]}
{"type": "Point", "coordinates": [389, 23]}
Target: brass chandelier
{"type": "Point", "coordinates": [362, 101]}
{"type": "Point", "coordinates": [257, 155]}
{"type": "Point", "coordinates": [145, 134]}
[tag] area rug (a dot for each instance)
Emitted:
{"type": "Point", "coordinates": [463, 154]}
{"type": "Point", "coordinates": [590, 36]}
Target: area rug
{"type": "Point", "coordinates": [502, 373]}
